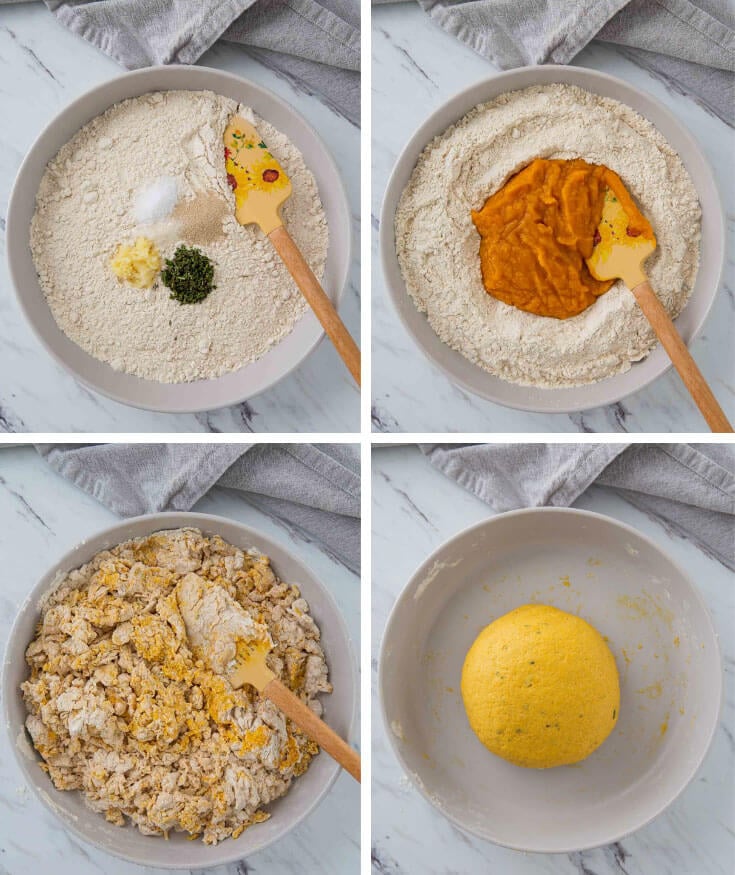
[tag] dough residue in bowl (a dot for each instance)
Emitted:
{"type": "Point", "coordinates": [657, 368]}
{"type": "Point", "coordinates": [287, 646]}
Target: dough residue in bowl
{"type": "Point", "coordinates": [438, 246]}
{"type": "Point", "coordinates": [116, 181]}
{"type": "Point", "coordinates": [121, 708]}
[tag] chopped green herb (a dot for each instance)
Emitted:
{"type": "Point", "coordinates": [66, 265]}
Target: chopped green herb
{"type": "Point", "coordinates": [189, 275]}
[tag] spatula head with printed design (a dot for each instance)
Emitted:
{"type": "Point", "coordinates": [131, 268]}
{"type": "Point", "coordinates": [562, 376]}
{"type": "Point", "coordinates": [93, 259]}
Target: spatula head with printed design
{"type": "Point", "coordinates": [622, 244]}
{"type": "Point", "coordinates": [260, 184]}
{"type": "Point", "coordinates": [261, 187]}
{"type": "Point", "coordinates": [623, 241]}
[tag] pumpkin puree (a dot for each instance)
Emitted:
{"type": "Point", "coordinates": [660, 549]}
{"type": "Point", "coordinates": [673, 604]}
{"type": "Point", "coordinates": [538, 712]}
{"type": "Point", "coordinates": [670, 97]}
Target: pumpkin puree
{"type": "Point", "coordinates": [538, 229]}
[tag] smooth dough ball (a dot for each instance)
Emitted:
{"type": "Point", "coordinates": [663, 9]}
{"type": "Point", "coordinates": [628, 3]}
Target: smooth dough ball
{"type": "Point", "coordinates": [540, 687]}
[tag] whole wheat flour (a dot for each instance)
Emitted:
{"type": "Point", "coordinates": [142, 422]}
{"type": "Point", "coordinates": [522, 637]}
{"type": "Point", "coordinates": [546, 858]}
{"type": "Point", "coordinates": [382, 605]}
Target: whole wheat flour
{"type": "Point", "coordinates": [438, 246]}
{"type": "Point", "coordinates": [124, 707]}
{"type": "Point", "coordinates": [86, 205]}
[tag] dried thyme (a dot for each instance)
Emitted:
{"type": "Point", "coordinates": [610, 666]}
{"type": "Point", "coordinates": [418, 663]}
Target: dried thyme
{"type": "Point", "coordinates": [189, 275]}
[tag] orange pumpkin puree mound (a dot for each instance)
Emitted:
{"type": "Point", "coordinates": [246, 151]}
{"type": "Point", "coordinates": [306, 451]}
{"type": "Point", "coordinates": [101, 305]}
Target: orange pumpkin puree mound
{"type": "Point", "coordinates": [539, 228]}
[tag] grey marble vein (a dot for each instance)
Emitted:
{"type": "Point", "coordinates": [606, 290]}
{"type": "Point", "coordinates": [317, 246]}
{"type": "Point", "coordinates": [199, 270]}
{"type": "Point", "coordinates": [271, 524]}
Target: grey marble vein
{"type": "Point", "coordinates": [29, 511]}
{"type": "Point", "coordinates": [9, 422]}
{"type": "Point", "coordinates": [382, 421]}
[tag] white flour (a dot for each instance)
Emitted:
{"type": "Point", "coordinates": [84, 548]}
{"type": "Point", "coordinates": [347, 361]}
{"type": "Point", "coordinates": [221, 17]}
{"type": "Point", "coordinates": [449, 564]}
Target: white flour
{"type": "Point", "coordinates": [86, 206]}
{"type": "Point", "coordinates": [438, 246]}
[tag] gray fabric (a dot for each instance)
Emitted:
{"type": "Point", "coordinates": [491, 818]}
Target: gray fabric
{"type": "Point", "coordinates": [140, 33]}
{"type": "Point", "coordinates": [690, 488]}
{"type": "Point", "coordinates": [326, 32]}
{"type": "Point", "coordinates": [313, 489]}
{"type": "Point", "coordinates": [314, 42]}
{"type": "Point", "coordinates": [689, 41]}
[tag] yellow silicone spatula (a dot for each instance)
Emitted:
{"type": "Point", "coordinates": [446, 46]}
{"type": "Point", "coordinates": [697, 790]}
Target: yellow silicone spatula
{"type": "Point", "coordinates": [226, 636]}
{"type": "Point", "coordinates": [619, 253]}
{"type": "Point", "coordinates": [261, 188]}
{"type": "Point", "coordinates": [251, 668]}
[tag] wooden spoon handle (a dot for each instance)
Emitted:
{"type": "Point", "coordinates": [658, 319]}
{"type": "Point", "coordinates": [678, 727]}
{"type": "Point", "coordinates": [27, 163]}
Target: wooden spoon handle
{"type": "Point", "coordinates": [317, 298]}
{"type": "Point", "coordinates": [681, 358]}
{"type": "Point", "coordinates": [315, 728]}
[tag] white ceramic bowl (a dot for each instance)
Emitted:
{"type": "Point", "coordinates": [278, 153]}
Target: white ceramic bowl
{"type": "Point", "coordinates": [658, 629]}
{"type": "Point", "coordinates": [689, 323]}
{"type": "Point", "coordinates": [178, 852]}
{"type": "Point", "coordinates": [201, 395]}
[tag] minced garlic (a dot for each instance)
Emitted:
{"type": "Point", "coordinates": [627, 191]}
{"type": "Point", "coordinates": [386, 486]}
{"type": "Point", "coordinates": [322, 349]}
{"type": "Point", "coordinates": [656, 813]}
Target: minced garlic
{"type": "Point", "coordinates": [138, 265]}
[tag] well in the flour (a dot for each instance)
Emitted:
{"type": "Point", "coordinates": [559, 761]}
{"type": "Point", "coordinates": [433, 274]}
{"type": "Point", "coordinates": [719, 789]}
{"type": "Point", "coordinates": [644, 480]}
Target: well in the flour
{"type": "Point", "coordinates": [438, 246]}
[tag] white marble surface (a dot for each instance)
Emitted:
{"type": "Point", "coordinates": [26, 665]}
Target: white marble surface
{"type": "Point", "coordinates": [42, 68]}
{"type": "Point", "coordinates": [415, 509]}
{"type": "Point", "coordinates": [416, 67]}
{"type": "Point", "coordinates": [41, 517]}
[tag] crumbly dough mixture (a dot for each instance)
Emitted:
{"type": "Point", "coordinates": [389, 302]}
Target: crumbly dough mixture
{"type": "Point", "coordinates": [438, 246]}
{"type": "Point", "coordinates": [86, 206]}
{"type": "Point", "coordinates": [121, 709]}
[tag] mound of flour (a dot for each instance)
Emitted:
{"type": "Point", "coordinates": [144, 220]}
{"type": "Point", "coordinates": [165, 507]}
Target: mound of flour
{"type": "Point", "coordinates": [86, 205]}
{"type": "Point", "coordinates": [438, 245]}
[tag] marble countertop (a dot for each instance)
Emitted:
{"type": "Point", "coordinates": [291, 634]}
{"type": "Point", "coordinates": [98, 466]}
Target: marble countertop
{"type": "Point", "coordinates": [415, 509]}
{"type": "Point", "coordinates": [41, 517]}
{"type": "Point", "coordinates": [42, 68]}
{"type": "Point", "coordinates": [417, 66]}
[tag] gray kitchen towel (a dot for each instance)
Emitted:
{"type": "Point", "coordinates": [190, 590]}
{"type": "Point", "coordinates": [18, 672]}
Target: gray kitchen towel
{"type": "Point", "coordinates": [312, 489]}
{"type": "Point", "coordinates": [688, 487]}
{"type": "Point", "coordinates": [689, 41]}
{"type": "Point", "coordinates": [314, 42]}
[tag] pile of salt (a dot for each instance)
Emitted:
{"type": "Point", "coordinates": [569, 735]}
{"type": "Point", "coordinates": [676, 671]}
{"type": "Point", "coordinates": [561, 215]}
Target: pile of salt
{"type": "Point", "coordinates": [156, 201]}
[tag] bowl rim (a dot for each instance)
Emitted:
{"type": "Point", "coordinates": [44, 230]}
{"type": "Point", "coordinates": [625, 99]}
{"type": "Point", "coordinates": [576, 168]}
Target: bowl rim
{"type": "Point", "coordinates": [15, 233]}
{"type": "Point", "coordinates": [208, 523]}
{"type": "Point", "coordinates": [407, 591]}
{"type": "Point", "coordinates": [421, 138]}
